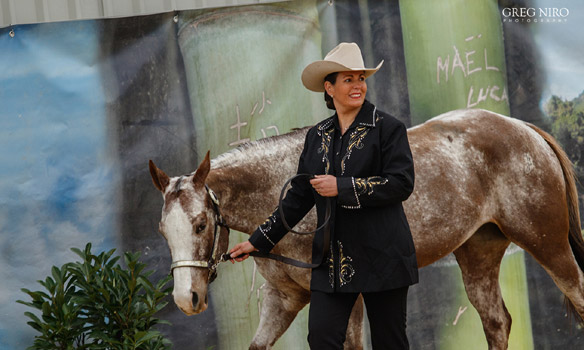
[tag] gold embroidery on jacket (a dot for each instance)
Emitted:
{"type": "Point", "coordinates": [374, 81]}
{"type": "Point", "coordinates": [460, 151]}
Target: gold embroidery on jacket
{"type": "Point", "coordinates": [355, 142]}
{"type": "Point", "coordinates": [346, 270]}
{"type": "Point", "coordinates": [331, 263]}
{"type": "Point", "coordinates": [327, 137]}
{"type": "Point", "coordinates": [266, 227]}
{"type": "Point", "coordinates": [365, 185]}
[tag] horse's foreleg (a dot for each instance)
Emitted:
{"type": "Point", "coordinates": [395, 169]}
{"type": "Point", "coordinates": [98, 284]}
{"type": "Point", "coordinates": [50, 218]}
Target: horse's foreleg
{"type": "Point", "coordinates": [278, 310]}
{"type": "Point", "coordinates": [479, 259]}
{"type": "Point", "coordinates": [354, 340]}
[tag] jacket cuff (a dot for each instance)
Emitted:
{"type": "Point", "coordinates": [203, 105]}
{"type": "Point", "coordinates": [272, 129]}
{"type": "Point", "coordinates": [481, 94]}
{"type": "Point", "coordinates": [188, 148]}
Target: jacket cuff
{"type": "Point", "coordinates": [261, 241]}
{"type": "Point", "coordinates": [348, 197]}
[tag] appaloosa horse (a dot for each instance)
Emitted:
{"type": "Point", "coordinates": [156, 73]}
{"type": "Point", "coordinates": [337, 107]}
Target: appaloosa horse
{"type": "Point", "coordinates": [482, 181]}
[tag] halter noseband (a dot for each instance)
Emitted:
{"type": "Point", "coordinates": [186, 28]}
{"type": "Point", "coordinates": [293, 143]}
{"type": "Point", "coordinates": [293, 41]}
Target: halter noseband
{"type": "Point", "coordinates": [214, 260]}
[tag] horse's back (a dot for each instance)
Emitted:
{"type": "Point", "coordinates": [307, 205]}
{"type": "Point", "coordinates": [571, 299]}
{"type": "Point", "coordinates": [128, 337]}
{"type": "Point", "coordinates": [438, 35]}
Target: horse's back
{"type": "Point", "coordinates": [485, 143]}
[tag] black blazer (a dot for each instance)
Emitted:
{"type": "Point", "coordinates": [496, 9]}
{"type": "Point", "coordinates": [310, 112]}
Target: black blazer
{"type": "Point", "coordinates": [371, 246]}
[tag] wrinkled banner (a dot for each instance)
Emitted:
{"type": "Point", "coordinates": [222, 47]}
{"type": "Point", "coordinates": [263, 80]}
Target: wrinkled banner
{"type": "Point", "coordinates": [84, 105]}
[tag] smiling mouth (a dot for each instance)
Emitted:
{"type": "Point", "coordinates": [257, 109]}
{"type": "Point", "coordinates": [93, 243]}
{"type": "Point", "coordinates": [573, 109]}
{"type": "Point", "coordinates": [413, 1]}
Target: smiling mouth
{"type": "Point", "coordinates": [355, 95]}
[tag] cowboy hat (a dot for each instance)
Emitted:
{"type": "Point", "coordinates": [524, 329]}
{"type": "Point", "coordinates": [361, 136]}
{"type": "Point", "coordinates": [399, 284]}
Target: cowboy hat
{"type": "Point", "coordinates": [344, 57]}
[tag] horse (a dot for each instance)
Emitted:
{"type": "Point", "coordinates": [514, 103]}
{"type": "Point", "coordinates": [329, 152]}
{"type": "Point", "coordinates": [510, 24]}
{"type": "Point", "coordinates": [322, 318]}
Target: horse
{"type": "Point", "coordinates": [483, 180]}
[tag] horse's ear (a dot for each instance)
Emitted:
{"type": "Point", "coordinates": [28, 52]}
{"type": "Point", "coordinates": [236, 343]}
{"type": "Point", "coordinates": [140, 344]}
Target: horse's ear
{"type": "Point", "coordinates": [159, 178]}
{"type": "Point", "coordinates": [202, 172]}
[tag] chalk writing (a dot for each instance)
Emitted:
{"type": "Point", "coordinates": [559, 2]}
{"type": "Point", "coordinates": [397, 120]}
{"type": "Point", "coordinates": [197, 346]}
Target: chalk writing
{"type": "Point", "coordinates": [467, 63]}
{"type": "Point", "coordinates": [277, 132]}
{"type": "Point", "coordinates": [461, 310]}
{"type": "Point", "coordinates": [483, 94]}
{"type": "Point", "coordinates": [264, 101]}
{"type": "Point", "coordinates": [254, 111]}
{"type": "Point", "coordinates": [238, 126]}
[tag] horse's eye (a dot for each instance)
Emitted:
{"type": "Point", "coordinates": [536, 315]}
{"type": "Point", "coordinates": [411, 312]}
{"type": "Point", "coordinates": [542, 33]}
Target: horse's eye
{"type": "Point", "coordinates": [201, 228]}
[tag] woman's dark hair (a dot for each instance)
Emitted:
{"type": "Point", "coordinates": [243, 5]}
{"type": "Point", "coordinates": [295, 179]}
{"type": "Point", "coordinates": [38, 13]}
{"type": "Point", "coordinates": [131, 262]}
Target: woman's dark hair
{"type": "Point", "coordinates": [331, 78]}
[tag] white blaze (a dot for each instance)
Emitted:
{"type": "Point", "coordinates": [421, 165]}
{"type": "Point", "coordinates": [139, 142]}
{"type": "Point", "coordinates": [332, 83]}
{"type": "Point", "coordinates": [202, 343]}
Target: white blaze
{"type": "Point", "coordinates": [177, 228]}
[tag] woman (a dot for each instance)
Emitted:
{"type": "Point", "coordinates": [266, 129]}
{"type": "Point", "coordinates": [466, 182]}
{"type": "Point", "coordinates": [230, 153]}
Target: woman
{"type": "Point", "coordinates": [364, 165]}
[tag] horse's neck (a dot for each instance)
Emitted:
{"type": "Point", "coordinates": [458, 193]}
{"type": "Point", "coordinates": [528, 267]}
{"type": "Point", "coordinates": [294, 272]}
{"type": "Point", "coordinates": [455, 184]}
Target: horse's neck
{"type": "Point", "coordinates": [248, 191]}
{"type": "Point", "coordinates": [237, 194]}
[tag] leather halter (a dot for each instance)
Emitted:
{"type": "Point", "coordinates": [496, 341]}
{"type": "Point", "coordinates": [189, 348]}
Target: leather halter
{"type": "Point", "coordinates": [215, 257]}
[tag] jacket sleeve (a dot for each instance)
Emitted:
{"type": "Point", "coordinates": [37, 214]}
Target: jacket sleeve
{"type": "Point", "coordinates": [394, 184]}
{"type": "Point", "coordinates": [296, 204]}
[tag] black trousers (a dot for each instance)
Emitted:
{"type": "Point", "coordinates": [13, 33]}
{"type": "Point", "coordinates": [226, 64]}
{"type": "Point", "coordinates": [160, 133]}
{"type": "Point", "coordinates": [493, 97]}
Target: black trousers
{"type": "Point", "coordinates": [329, 315]}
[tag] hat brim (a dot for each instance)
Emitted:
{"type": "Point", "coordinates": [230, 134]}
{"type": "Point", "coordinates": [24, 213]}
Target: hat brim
{"type": "Point", "coordinates": [314, 74]}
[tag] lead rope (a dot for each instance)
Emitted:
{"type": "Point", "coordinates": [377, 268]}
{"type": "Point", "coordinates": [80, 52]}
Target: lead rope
{"type": "Point", "coordinates": [287, 260]}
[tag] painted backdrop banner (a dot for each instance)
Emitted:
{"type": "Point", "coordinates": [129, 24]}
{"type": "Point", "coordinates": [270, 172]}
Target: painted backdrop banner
{"type": "Point", "coordinates": [84, 105]}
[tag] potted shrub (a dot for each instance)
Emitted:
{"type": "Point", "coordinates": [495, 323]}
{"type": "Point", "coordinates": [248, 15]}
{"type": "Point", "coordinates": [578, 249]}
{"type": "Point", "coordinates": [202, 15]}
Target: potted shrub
{"type": "Point", "coordinates": [97, 304]}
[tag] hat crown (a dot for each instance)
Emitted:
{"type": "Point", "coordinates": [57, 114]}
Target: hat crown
{"type": "Point", "coordinates": [346, 54]}
{"type": "Point", "coordinates": [344, 57]}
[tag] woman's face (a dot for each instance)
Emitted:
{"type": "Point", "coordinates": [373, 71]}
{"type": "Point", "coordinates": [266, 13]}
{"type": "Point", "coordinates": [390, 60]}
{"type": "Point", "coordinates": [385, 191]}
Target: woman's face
{"type": "Point", "coordinates": [349, 90]}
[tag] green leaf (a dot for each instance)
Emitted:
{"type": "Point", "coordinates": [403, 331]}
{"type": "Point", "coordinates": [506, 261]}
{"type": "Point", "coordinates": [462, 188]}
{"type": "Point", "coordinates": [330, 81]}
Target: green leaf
{"type": "Point", "coordinates": [57, 275]}
{"type": "Point", "coordinates": [166, 322]}
{"type": "Point", "coordinates": [143, 337]}
{"type": "Point", "coordinates": [33, 317]}
{"type": "Point", "coordinates": [78, 252]}
{"type": "Point", "coordinates": [46, 308]}
{"type": "Point", "coordinates": [26, 303]}
{"type": "Point", "coordinates": [163, 282]}
{"type": "Point", "coordinates": [36, 326]}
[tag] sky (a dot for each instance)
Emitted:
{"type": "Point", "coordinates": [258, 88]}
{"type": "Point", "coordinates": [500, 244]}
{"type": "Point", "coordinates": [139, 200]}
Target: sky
{"type": "Point", "coordinates": [56, 177]}
{"type": "Point", "coordinates": [561, 46]}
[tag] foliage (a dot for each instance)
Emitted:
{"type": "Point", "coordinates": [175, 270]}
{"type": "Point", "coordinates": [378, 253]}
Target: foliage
{"type": "Point", "coordinates": [568, 128]}
{"type": "Point", "coordinates": [97, 304]}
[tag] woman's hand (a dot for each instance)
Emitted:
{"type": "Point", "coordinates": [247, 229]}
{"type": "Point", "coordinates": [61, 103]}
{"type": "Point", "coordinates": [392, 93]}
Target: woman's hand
{"type": "Point", "coordinates": [241, 250]}
{"type": "Point", "coordinates": [325, 185]}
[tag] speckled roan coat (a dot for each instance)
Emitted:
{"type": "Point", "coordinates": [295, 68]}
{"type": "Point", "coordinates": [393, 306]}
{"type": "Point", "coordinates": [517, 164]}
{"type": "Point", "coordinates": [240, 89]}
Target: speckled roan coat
{"type": "Point", "coordinates": [482, 182]}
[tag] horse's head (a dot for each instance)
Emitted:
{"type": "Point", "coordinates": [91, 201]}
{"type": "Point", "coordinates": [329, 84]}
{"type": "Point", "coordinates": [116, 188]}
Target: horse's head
{"type": "Point", "coordinates": [189, 223]}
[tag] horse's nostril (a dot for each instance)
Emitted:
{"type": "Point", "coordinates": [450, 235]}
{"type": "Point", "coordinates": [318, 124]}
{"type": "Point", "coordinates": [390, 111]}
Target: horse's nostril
{"type": "Point", "coordinates": [195, 299]}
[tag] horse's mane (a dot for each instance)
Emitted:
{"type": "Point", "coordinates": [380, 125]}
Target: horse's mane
{"type": "Point", "coordinates": [259, 150]}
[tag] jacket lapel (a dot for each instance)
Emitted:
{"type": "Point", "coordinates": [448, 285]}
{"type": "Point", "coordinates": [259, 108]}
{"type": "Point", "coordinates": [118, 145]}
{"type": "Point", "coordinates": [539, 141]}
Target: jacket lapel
{"type": "Point", "coordinates": [365, 120]}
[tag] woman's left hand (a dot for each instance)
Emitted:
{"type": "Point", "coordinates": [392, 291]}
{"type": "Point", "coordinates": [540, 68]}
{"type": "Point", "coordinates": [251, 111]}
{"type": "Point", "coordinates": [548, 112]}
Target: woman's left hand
{"type": "Point", "coordinates": [241, 251]}
{"type": "Point", "coordinates": [325, 185]}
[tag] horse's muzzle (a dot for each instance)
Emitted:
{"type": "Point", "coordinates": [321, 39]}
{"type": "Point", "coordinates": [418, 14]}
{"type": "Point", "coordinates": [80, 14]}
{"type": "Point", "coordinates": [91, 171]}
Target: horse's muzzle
{"type": "Point", "coordinates": [191, 302]}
